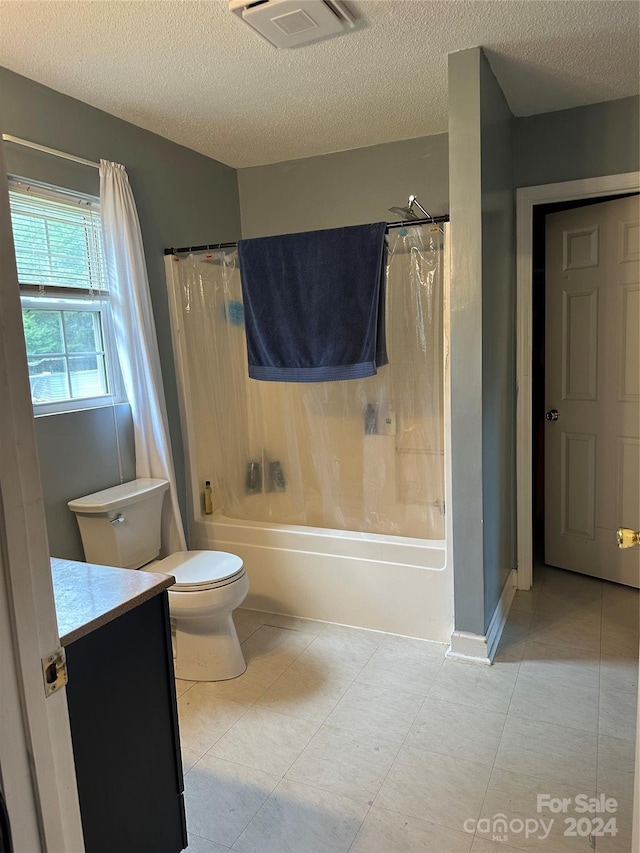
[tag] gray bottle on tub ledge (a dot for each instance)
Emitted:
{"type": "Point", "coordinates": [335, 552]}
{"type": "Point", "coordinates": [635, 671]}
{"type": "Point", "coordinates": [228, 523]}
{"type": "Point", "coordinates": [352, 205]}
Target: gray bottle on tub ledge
{"type": "Point", "coordinates": [253, 482]}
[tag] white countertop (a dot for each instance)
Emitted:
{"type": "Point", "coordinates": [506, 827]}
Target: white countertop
{"type": "Point", "coordinates": [88, 596]}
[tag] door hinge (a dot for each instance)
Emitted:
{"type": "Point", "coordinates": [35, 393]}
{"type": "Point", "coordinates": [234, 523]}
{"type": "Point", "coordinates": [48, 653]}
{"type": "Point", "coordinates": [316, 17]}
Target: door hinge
{"type": "Point", "coordinates": [54, 672]}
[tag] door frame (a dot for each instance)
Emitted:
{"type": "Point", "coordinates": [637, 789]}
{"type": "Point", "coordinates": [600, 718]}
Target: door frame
{"type": "Point", "coordinates": [526, 199]}
{"type": "Point", "coordinates": [36, 756]}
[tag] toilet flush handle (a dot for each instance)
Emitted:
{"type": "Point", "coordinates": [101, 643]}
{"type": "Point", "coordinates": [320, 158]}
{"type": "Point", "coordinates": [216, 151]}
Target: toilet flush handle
{"type": "Point", "coordinates": [118, 519]}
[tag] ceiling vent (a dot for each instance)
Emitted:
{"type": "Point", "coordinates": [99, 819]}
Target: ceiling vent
{"type": "Point", "coordinates": [291, 23]}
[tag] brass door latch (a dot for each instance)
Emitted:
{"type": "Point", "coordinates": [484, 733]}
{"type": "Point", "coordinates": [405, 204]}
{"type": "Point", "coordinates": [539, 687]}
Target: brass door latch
{"type": "Point", "coordinates": [627, 538]}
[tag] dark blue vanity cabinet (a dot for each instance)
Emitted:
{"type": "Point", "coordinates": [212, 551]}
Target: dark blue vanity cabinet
{"type": "Point", "coordinates": [124, 728]}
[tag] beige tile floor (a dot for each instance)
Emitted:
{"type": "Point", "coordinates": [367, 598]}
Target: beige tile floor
{"type": "Point", "coordinates": [337, 739]}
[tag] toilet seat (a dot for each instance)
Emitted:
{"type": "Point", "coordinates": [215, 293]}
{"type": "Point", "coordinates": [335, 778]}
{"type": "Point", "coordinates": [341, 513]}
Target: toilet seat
{"type": "Point", "coordinates": [196, 571]}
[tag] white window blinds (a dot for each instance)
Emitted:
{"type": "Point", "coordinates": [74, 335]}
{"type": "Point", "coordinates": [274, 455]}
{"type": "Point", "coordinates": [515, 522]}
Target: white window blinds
{"type": "Point", "coordinates": [57, 238]}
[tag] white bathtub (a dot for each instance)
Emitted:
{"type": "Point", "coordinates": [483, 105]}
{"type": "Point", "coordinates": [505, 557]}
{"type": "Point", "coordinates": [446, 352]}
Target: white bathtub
{"type": "Point", "coordinates": [386, 583]}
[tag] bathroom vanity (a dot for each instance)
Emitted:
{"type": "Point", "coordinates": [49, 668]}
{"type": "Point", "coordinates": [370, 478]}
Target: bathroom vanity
{"type": "Point", "coordinates": [114, 627]}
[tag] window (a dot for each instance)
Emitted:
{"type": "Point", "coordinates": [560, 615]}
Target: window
{"type": "Point", "coordinates": [65, 302]}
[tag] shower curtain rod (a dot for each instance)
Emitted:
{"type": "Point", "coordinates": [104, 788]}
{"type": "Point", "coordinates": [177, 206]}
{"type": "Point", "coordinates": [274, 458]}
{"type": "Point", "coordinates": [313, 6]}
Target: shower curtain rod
{"type": "Point", "coordinates": [432, 220]}
{"type": "Point", "coordinates": [45, 150]}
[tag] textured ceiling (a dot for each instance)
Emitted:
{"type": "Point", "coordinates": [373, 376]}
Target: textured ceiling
{"type": "Point", "coordinates": [195, 73]}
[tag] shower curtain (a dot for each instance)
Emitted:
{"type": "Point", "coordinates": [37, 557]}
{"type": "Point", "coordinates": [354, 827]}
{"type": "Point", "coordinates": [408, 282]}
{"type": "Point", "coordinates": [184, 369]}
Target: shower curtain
{"type": "Point", "coordinates": [361, 455]}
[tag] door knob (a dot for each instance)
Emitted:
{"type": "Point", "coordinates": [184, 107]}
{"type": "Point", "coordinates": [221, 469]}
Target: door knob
{"type": "Point", "coordinates": [627, 538]}
{"type": "Point", "coordinates": [552, 415]}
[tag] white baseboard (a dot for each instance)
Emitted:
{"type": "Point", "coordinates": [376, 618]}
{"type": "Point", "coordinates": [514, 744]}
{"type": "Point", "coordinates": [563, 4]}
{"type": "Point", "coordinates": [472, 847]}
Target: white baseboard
{"type": "Point", "coordinates": [481, 648]}
{"type": "Point", "coordinates": [469, 647]}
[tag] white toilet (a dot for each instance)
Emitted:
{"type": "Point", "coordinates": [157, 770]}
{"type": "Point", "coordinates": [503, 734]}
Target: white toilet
{"type": "Point", "coordinates": [120, 527]}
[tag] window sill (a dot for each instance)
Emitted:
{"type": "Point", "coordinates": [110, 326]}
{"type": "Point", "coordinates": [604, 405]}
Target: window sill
{"type": "Point", "coordinates": [75, 411]}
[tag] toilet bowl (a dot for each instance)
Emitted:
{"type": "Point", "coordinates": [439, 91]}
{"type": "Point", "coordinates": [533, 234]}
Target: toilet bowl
{"type": "Point", "coordinates": [209, 586]}
{"type": "Point", "coordinates": [120, 527]}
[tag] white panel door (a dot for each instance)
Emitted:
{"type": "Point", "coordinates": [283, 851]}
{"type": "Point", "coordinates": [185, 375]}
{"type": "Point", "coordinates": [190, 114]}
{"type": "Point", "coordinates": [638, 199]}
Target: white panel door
{"type": "Point", "coordinates": [592, 382]}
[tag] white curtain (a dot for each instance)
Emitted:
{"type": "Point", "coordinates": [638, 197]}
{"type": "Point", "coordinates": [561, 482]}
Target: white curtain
{"type": "Point", "coordinates": [137, 342]}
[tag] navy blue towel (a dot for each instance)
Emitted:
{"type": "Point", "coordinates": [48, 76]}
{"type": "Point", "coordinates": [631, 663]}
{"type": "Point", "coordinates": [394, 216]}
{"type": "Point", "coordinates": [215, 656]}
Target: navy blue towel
{"type": "Point", "coordinates": [314, 304]}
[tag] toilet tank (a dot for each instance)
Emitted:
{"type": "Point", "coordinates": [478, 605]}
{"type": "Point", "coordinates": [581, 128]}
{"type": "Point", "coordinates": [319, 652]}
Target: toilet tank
{"type": "Point", "coordinates": [120, 526]}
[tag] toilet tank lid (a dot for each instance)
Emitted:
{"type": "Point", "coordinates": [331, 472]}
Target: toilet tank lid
{"type": "Point", "coordinates": [199, 567]}
{"type": "Point", "coordinates": [118, 496]}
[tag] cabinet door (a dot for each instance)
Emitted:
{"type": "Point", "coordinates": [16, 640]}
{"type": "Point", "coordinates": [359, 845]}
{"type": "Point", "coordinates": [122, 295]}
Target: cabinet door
{"type": "Point", "coordinates": [124, 727]}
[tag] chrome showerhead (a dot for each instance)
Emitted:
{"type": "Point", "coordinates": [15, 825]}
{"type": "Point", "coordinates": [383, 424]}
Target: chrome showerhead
{"type": "Point", "coordinates": [407, 213]}
{"type": "Point", "coordinates": [404, 212]}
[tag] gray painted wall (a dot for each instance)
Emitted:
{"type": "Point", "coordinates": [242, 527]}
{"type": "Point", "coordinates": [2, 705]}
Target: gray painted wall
{"type": "Point", "coordinates": [498, 340]}
{"type": "Point", "coordinates": [78, 454]}
{"type": "Point", "coordinates": [352, 187]}
{"type": "Point", "coordinates": [491, 153]}
{"type": "Point", "coordinates": [347, 188]}
{"type": "Point", "coordinates": [482, 338]}
{"type": "Point", "coordinates": [183, 198]}
{"type": "Point", "coordinates": [586, 142]}
{"type": "Point", "coordinates": [465, 172]}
